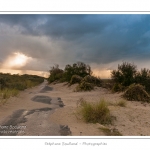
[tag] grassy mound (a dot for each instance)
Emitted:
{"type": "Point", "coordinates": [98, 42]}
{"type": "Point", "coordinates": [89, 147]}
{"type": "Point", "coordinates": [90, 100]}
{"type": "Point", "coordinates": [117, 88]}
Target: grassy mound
{"type": "Point", "coordinates": [84, 86]}
{"type": "Point", "coordinates": [136, 92]}
{"type": "Point", "coordinates": [95, 112]}
{"type": "Point", "coordinates": [75, 79]}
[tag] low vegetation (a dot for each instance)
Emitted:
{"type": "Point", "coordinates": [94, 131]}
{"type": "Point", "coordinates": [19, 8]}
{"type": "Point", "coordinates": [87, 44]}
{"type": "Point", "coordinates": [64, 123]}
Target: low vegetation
{"type": "Point", "coordinates": [84, 86]}
{"type": "Point", "coordinates": [134, 84]}
{"type": "Point", "coordinates": [136, 92]}
{"type": "Point", "coordinates": [95, 112]}
{"type": "Point", "coordinates": [10, 85]}
{"type": "Point", "coordinates": [56, 74]}
{"type": "Point", "coordinates": [122, 79]}
{"type": "Point", "coordinates": [128, 74]}
{"type": "Point", "coordinates": [79, 73]}
{"type": "Point", "coordinates": [93, 80]}
{"type": "Point", "coordinates": [75, 79]}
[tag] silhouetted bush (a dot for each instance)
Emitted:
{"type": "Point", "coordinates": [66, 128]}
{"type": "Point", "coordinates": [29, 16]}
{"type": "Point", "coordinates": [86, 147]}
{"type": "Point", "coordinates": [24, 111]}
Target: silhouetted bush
{"type": "Point", "coordinates": [55, 74]}
{"type": "Point", "coordinates": [75, 79]}
{"type": "Point", "coordinates": [93, 80]}
{"type": "Point", "coordinates": [125, 75]}
{"type": "Point", "coordinates": [136, 92]}
{"type": "Point", "coordinates": [143, 78]}
{"type": "Point", "coordinates": [78, 68]}
{"type": "Point", "coordinates": [118, 88]}
{"type": "Point", "coordinates": [84, 86]}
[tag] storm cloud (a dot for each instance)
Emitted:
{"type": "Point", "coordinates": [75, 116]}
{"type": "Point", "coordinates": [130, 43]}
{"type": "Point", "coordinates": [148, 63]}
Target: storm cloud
{"type": "Point", "coordinates": [99, 40]}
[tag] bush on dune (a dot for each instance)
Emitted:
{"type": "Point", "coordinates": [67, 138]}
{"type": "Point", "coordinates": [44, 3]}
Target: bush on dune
{"type": "Point", "coordinates": [55, 74]}
{"type": "Point", "coordinates": [118, 88]}
{"type": "Point", "coordinates": [125, 75]}
{"type": "Point", "coordinates": [88, 83]}
{"type": "Point", "coordinates": [79, 68]}
{"type": "Point", "coordinates": [75, 79]}
{"type": "Point", "coordinates": [84, 86]}
{"type": "Point", "coordinates": [93, 80]}
{"type": "Point", "coordinates": [136, 92]}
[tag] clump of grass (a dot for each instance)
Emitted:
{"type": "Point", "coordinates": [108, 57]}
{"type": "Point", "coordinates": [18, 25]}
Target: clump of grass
{"type": "Point", "coordinates": [111, 132]}
{"type": "Point", "coordinates": [84, 86]}
{"type": "Point", "coordinates": [7, 93]}
{"type": "Point", "coordinates": [95, 112]}
{"type": "Point", "coordinates": [122, 103]}
{"type": "Point", "coordinates": [136, 92]}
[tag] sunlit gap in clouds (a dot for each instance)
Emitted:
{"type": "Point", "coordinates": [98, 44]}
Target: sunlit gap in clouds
{"type": "Point", "coordinates": [16, 61]}
{"type": "Point", "coordinates": [15, 64]}
{"type": "Point", "coordinates": [103, 74]}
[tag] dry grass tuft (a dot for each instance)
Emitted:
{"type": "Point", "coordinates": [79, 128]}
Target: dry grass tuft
{"type": "Point", "coordinates": [95, 112]}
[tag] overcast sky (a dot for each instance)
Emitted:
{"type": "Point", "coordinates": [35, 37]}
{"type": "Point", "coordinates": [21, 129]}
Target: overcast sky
{"type": "Point", "coordinates": [102, 41]}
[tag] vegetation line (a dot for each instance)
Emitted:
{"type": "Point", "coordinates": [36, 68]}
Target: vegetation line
{"type": "Point", "coordinates": [10, 85]}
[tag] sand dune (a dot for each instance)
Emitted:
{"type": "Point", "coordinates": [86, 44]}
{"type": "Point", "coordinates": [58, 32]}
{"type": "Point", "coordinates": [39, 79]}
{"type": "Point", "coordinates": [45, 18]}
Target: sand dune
{"type": "Point", "coordinates": [132, 120]}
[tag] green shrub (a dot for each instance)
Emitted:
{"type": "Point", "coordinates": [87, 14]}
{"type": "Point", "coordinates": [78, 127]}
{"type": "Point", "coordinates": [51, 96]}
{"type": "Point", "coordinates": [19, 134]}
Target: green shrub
{"type": "Point", "coordinates": [55, 74]}
{"type": "Point", "coordinates": [79, 68]}
{"type": "Point", "coordinates": [136, 92]}
{"type": "Point", "coordinates": [93, 80]}
{"type": "Point", "coordinates": [143, 78]}
{"type": "Point", "coordinates": [118, 88]}
{"type": "Point", "coordinates": [75, 79]}
{"type": "Point", "coordinates": [125, 75]}
{"type": "Point", "coordinates": [95, 112]}
{"type": "Point", "coordinates": [7, 93]}
{"type": "Point", "coordinates": [84, 86]}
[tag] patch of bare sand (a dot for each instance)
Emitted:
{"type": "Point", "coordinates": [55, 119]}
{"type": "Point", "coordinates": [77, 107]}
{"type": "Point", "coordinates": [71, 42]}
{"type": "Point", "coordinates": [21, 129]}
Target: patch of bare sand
{"type": "Point", "coordinates": [132, 120]}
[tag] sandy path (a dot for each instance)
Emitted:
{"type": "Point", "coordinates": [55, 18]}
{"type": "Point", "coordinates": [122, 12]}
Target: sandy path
{"type": "Point", "coordinates": [29, 113]}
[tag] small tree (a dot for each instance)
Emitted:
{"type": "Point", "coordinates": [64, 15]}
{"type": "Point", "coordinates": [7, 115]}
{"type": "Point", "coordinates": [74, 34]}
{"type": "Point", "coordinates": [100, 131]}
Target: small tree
{"type": "Point", "coordinates": [125, 75]}
{"type": "Point", "coordinates": [143, 78]}
{"type": "Point", "coordinates": [78, 68]}
{"type": "Point", "coordinates": [55, 73]}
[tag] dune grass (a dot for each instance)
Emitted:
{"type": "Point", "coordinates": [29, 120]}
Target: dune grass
{"type": "Point", "coordinates": [6, 94]}
{"type": "Point", "coordinates": [95, 112]}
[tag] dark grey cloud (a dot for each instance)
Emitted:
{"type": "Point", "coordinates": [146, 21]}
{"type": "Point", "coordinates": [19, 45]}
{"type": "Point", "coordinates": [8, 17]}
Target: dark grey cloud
{"type": "Point", "coordinates": [99, 39]}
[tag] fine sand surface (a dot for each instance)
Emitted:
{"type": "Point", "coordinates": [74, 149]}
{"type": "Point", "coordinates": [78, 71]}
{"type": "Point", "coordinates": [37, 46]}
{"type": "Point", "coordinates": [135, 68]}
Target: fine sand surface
{"type": "Point", "coordinates": [51, 110]}
{"type": "Point", "coordinates": [132, 120]}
